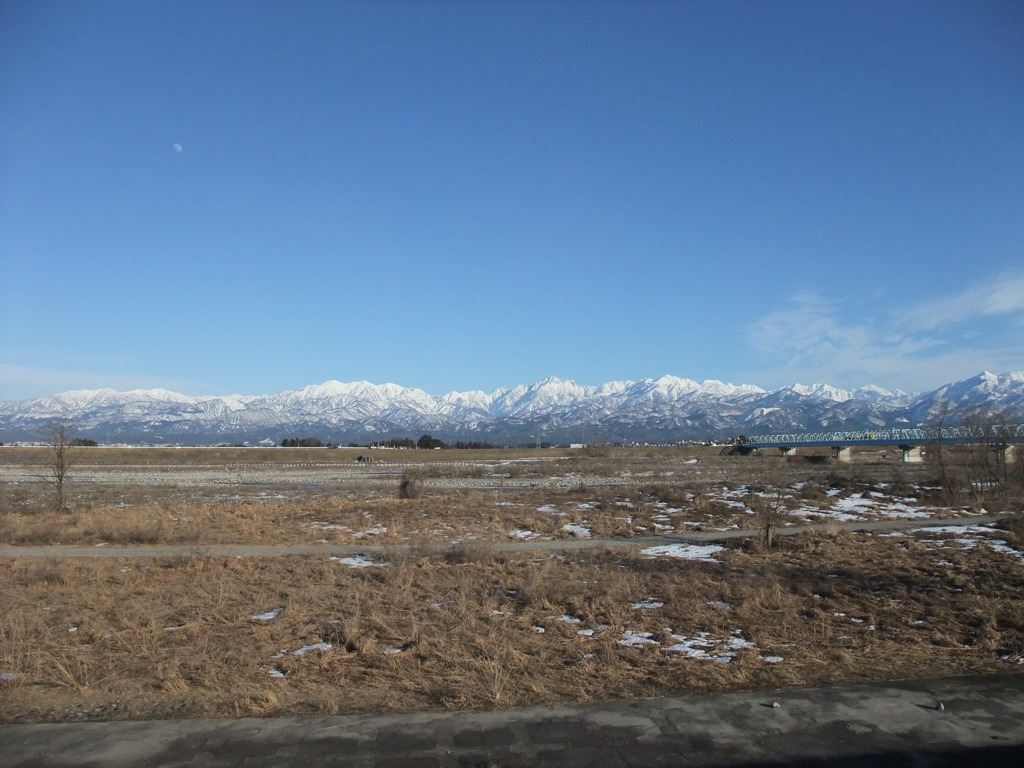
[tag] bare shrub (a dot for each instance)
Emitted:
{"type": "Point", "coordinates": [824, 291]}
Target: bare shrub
{"type": "Point", "coordinates": [1014, 527]}
{"type": "Point", "coordinates": [58, 434]}
{"type": "Point", "coordinates": [770, 513]}
{"type": "Point", "coordinates": [673, 495]}
{"type": "Point", "coordinates": [701, 500]}
{"type": "Point", "coordinates": [811, 491]}
{"type": "Point", "coordinates": [410, 485]}
{"type": "Point", "coordinates": [471, 551]}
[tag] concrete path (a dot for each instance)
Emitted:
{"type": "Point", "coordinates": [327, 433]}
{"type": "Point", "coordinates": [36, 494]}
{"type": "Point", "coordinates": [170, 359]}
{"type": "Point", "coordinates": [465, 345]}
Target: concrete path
{"type": "Point", "coordinates": [977, 721]}
{"type": "Point", "coordinates": [256, 550]}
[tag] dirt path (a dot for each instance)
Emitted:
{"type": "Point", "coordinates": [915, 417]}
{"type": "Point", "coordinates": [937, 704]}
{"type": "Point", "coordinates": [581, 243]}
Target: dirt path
{"type": "Point", "coordinates": [966, 722]}
{"type": "Point", "coordinates": [270, 550]}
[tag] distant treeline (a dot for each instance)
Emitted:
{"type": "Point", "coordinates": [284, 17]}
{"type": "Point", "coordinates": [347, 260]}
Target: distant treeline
{"type": "Point", "coordinates": [305, 442]}
{"type": "Point", "coordinates": [425, 442]}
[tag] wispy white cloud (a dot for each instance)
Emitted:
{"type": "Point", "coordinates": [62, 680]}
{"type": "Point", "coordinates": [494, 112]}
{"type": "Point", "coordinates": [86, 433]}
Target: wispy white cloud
{"type": "Point", "coordinates": [1003, 295]}
{"type": "Point", "coordinates": [852, 342]}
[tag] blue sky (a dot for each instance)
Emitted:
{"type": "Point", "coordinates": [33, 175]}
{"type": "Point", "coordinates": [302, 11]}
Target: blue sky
{"type": "Point", "coordinates": [249, 197]}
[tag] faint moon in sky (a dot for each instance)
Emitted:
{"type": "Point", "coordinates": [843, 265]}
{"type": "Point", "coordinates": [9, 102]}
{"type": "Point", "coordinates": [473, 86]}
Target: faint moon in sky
{"type": "Point", "coordinates": [177, 147]}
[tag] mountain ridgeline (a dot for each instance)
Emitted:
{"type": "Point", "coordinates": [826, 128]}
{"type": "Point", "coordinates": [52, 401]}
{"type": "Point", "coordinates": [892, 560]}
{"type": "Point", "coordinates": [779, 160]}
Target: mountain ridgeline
{"type": "Point", "coordinates": [664, 410]}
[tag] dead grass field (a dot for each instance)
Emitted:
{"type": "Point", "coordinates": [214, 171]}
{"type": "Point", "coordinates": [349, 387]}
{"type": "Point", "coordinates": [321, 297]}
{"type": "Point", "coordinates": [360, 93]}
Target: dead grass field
{"type": "Point", "coordinates": [133, 638]}
{"type": "Point", "coordinates": [458, 624]}
{"type": "Point", "coordinates": [200, 496]}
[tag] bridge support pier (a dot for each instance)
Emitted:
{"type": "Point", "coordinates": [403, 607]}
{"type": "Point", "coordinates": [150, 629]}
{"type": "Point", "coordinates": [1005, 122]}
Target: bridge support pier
{"type": "Point", "coordinates": [843, 453]}
{"type": "Point", "coordinates": [785, 450]}
{"type": "Point", "coordinates": [1009, 453]}
{"type": "Point", "coordinates": [912, 454]}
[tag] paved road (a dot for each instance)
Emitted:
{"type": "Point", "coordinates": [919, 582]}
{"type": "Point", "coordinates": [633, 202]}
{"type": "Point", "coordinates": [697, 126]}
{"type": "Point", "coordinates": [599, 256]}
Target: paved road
{"type": "Point", "coordinates": [980, 723]}
{"type": "Point", "coordinates": [253, 550]}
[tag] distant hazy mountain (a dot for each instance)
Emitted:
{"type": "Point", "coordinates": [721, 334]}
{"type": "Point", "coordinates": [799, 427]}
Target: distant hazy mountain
{"type": "Point", "coordinates": [667, 409]}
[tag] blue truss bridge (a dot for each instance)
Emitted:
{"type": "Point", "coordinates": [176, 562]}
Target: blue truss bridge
{"type": "Point", "coordinates": [909, 440]}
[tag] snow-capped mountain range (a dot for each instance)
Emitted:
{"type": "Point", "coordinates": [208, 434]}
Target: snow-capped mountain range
{"type": "Point", "coordinates": [667, 409]}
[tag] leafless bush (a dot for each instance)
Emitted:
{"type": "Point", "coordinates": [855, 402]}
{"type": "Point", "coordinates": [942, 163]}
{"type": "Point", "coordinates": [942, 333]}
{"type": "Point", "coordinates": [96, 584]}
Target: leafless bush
{"type": "Point", "coordinates": [812, 491]}
{"type": "Point", "coordinates": [898, 483]}
{"type": "Point", "coordinates": [409, 486]}
{"type": "Point", "coordinates": [770, 513]}
{"type": "Point", "coordinates": [58, 433]}
{"type": "Point", "coordinates": [471, 551]}
{"type": "Point", "coordinates": [1014, 527]}
{"type": "Point", "coordinates": [673, 495]}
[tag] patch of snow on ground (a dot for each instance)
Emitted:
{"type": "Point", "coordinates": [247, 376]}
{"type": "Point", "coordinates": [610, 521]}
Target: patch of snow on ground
{"type": "Point", "coordinates": [636, 639]}
{"type": "Point", "coordinates": [684, 551]}
{"type": "Point", "coordinates": [268, 615]}
{"type": "Point", "coordinates": [314, 647]}
{"type": "Point", "coordinates": [357, 561]}
{"type": "Point", "coordinates": [703, 646]}
{"type": "Point", "coordinates": [842, 517]}
{"type": "Point", "coordinates": [955, 529]}
{"type": "Point", "coordinates": [579, 530]}
{"type": "Point", "coordinates": [649, 604]}
{"type": "Point", "coordinates": [899, 509]}
{"type": "Point", "coordinates": [375, 531]}
{"type": "Point", "coordinates": [970, 542]}
{"type": "Point", "coordinates": [519, 533]}
{"type": "Point", "coordinates": [855, 503]}
{"type": "Point", "coordinates": [1001, 546]}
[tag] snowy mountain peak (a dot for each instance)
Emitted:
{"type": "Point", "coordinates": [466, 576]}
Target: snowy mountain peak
{"type": "Point", "coordinates": [715, 387]}
{"type": "Point", "coordinates": [665, 409]}
{"type": "Point", "coordinates": [1006, 387]}
{"type": "Point", "coordinates": [334, 388]}
{"type": "Point", "coordinates": [554, 384]}
{"type": "Point", "coordinates": [824, 391]}
{"type": "Point", "coordinates": [875, 394]}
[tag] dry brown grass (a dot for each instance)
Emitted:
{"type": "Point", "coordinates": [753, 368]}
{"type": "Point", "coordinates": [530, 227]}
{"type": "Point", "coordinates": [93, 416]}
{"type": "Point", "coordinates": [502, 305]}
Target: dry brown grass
{"type": "Point", "coordinates": [176, 637]}
{"type": "Point", "coordinates": [451, 621]}
{"type": "Point", "coordinates": [353, 518]}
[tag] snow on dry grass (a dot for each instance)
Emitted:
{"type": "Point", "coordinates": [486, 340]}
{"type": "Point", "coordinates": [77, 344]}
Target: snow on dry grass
{"type": "Point", "coordinates": [441, 518]}
{"type": "Point", "coordinates": [451, 621]}
{"type": "Point", "coordinates": [301, 635]}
